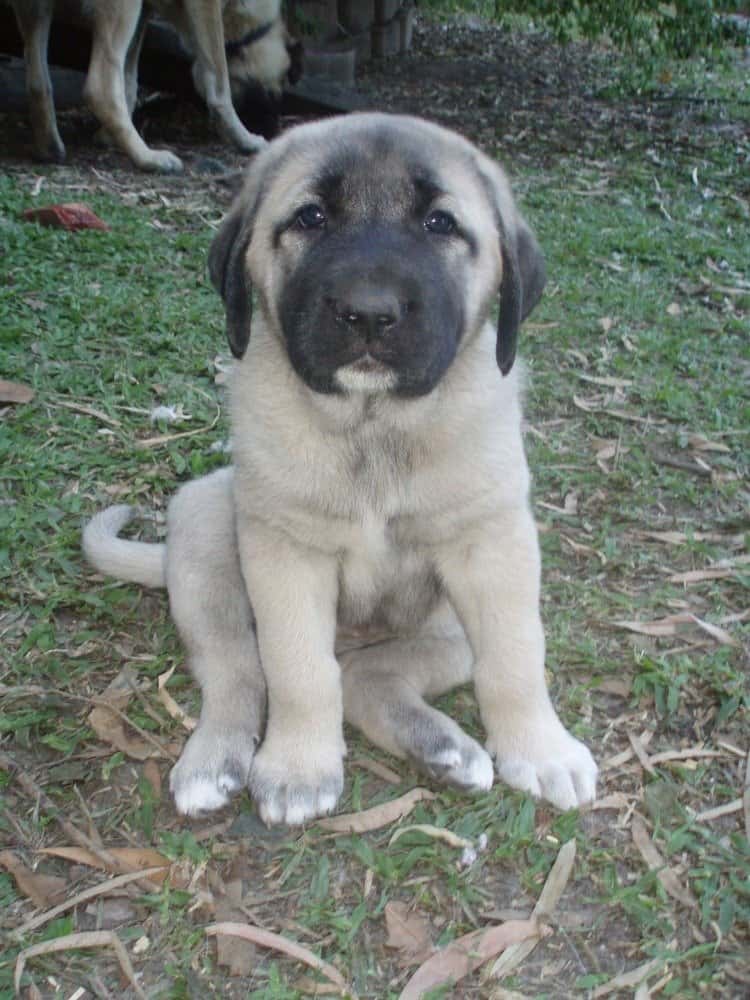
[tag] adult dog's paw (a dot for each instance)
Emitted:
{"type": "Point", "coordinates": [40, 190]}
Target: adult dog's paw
{"type": "Point", "coordinates": [294, 788]}
{"type": "Point", "coordinates": [214, 765]}
{"type": "Point", "coordinates": [542, 758]}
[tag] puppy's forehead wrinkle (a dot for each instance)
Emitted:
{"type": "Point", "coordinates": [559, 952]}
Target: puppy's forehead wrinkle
{"type": "Point", "coordinates": [374, 177]}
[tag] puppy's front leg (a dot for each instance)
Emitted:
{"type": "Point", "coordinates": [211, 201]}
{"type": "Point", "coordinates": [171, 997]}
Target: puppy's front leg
{"type": "Point", "coordinates": [298, 772]}
{"type": "Point", "coordinates": [492, 577]}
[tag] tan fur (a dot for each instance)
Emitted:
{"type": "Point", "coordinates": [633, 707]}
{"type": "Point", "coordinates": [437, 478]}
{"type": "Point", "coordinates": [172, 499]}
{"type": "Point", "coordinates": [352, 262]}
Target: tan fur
{"type": "Point", "coordinates": [118, 28]}
{"type": "Point", "coordinates": [339, 508]}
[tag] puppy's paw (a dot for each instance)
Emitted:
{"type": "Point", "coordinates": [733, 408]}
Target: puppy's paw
{"type": "Point", "coordinates": [542, 758]}
{"type": "Point", "coordinates": [446, 753]}
{"type": "Point", "coordinates": [214, 765]}
{"type": "Point", "coordinates": [294, 788]}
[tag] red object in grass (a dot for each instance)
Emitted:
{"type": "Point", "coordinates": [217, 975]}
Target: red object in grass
{"type": "Point", "coordinates": [70, 216]}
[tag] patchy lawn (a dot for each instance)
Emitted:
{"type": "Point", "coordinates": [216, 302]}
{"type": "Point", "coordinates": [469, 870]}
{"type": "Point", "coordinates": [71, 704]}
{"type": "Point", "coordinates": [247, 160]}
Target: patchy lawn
{"type": "Point", "coordinates": [639, 359]}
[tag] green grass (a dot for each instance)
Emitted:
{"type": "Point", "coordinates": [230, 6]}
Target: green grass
{"type": "Point", "coordinates": [106, 325]}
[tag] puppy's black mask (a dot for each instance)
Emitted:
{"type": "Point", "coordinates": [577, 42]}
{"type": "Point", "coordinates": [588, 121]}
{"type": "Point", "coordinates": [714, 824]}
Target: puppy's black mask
{"type": "Point", "coordinates": [374, 294]}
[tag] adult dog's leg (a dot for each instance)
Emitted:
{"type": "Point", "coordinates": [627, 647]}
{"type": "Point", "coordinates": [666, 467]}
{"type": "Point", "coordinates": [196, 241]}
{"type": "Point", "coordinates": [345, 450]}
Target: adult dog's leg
{"type": "Point", "coordinates": [34, 18]}
{"type": "Point", "coordinates": [132, 59]}
{"type": "Point", "coordinates": [210, 73]}
{"type": "Point", "coordinates": [384, 685]}
{"type": "Point", "coordinates": [210, 607]}
{"type": "Point", "coordinates": [493, 583]}
{"type": "Point", "coordinates": [114, 26]}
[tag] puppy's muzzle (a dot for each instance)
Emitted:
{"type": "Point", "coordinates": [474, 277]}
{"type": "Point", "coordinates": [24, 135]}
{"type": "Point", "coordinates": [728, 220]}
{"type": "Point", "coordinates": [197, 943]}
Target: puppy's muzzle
{"type": "Point", "coordinates": [370, 315]}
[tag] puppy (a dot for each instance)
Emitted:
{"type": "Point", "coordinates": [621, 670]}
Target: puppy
{"type": "Point", "coordinates": [379, 491]}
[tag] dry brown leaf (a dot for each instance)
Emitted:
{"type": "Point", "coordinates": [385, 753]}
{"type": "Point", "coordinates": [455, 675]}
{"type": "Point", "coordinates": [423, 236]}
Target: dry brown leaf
{"type": "Point", "coordinates": [267, 939]}
{"type": "Point", "coordinates": [237, 955]}
{"type": "Point", "coordinates": [700, 443]}
{"type": "Point", "coordinates": [660, 627]}
{"type": "Point", "coordinates": [15, 392]}
{"type": "Point", "coordinates": [314, 988]}
{"type": "Point", "coordinates": [129, 859]}
{"type": "Point", "coordinates": [82, 897]}
{"type": "Point", "coordinates": [702, 575]}
{"type": "Point", "coordinates": [618, 759]}
{"type": "Point", "coordinates": [171, 705]}
{"type": "Point", "coordinates": [627, 980]}
{"type": "Point", "coordinates": [554, 886]}
{"type": "Point", "coordinates": [716, 632]}
{"type": "Point", "coordinates": [726, 810]}
{"type": "Point", "coordinates": [379, 769]}
{"type": "Point", "coordinates": [70, 942]}
{"type": "Point", "coordinates": [152, 774]}
{"type": "Point", "coordinates": [619, 686]}
{"type": "Point", "coordinates": [656, 863]}
{"type": "Point", "coordinates": [736, 541]}
{"type": "Point", "coordinates": [377, 817]}
{"type": "Point", "coordinates": [436, 832]}
{"type": "Point", "coordinates": [640, 751]}
{"type": "Point", "coordinates": [615, 800]}
{"type": "Point", "coordinates": [108, 724]}
{"type": "Point", "coordinates": [408, 933]}
{"type": "Point", "coordinates": [606, 380]}
{"type": "Point", "coordinates": [673, 624]}
{"type": "Point", "coordinates": [467, 953]}
{"type": "Point", "coordinates": [42, 890]}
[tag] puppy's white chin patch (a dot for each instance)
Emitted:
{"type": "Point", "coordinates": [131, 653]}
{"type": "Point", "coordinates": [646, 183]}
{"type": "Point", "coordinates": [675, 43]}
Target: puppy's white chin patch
{"type": "Point", "coordinates": [365, 376]}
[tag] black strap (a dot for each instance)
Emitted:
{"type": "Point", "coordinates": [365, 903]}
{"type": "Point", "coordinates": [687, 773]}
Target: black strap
{"type": "Point", "coordinates": [254, 35]}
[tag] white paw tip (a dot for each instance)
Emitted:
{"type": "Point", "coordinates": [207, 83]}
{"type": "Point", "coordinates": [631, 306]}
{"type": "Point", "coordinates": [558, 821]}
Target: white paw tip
{"type": "Point", "coordinates": [197, 796]}
{"type": "Point", "coordinates": [480, 773]}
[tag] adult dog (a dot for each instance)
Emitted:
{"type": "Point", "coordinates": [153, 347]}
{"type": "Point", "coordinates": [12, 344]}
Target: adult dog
{"type": "Point", "coordinates": [246, 48]}
{"type": "Point", "coordinates": [379, 484]}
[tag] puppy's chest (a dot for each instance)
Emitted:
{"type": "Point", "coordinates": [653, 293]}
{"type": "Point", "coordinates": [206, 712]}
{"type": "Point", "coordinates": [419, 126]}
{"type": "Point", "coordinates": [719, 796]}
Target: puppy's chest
{"type": "Point", "coordinates": [384, 577]}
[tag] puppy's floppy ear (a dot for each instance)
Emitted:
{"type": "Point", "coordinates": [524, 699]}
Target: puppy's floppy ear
{"type": "Point", "coordinates": [524, 273]}
{"type": "Point", "coordinates": [524, 277]}
{"type": "Point", "coordinates": [226, 266]}
{"type": "Point", "coordinates": [226, 257]}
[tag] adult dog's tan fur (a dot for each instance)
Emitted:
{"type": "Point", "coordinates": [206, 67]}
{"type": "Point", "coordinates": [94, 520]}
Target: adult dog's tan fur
{"type": "Point", "coordinates": [118, 28]}
{"type": "Point", "coordinates": [372, 545]}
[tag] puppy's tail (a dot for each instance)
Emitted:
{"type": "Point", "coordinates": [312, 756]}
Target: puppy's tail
{"type": "Point", "coordinates": [136, 562]}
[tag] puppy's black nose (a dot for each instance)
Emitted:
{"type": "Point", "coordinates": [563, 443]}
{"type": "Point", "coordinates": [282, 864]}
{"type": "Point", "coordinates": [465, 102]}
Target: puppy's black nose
{"type": "Point", "coordinates": [368, 312]}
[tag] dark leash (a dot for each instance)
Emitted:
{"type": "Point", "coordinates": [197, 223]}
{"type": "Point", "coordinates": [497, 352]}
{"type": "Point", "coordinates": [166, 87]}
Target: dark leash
{"type": "Point", "coordinates": [252, 36]}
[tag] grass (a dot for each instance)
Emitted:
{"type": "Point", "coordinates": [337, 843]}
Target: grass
{"type": "Point", "coordinates": [638, 422]}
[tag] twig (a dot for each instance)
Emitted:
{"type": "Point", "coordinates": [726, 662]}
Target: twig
{"type": "Point", "coordinates": [88, 411]}
{"type": "Point", "coordinates": [102, 889]}
{"type": "Point", "coordinates": [96, 701]}
{"type": "Point", "coordinates": [37, 793]}
{"type": "Point", "coordinates": [86, 939]}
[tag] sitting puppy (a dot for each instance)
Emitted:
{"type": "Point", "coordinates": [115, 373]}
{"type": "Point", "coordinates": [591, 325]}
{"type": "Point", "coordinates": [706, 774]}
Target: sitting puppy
{"type": "Point", "coordinates": [379, 485]}
{"type": "Point", "coordinates": [247, 49]}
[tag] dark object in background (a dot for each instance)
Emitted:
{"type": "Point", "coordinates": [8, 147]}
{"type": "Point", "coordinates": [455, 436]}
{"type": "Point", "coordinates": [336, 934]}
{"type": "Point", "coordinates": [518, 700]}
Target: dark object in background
{"type": "Point", "coordinates": [165, 65]}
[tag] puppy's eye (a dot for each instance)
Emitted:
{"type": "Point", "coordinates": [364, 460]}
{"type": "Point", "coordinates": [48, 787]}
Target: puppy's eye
{"type": "Point", "coordinates": [310, 217]}
{"type": "Point", "coordinates": [441, 223]}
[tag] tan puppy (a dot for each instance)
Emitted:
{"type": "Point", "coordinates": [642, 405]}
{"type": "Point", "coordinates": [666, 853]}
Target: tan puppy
{"type": "Point", "coordinates": [379, 485]}
{"type": "Point", "coordinates": [251, 31]}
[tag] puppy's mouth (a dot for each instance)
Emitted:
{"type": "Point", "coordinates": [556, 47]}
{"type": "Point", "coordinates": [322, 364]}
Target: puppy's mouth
{"type": "Point", "coordinates": [366, 374]}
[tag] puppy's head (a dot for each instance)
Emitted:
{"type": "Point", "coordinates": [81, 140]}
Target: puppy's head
{"type": "Point", "coordinates": [378, 246]}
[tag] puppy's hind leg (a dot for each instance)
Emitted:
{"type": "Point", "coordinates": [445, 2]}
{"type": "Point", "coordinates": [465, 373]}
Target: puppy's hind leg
{"type": "Point", "coordinates": [34, 18]}
{"type": "Point", "coordinates": [384, 688]}
{"type": "Point", "coordinates": [211, 609]}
